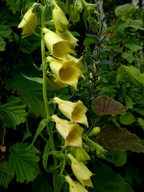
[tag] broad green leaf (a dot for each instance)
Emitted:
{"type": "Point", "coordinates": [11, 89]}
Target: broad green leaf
{"type": "Point", "coordinates": [46, 155]}
{"type": "Point", "coordinates": [136, 24]}
{"type": "Point", "coordinates": [133, 47]}
{"type": "Point", "coordinates": [119, 139]}
{"type": "Point", "coordinates": [127, 118]}
{"type": "Point", "coordinates": [104, 105]}
{"type": "Point", "coordinates": [123, 10]}
{"type": "Point", "coordinates": [135, 73]}
{"type": "Point", "coordinates": [29, 92]}
{"type": "Point", "coordinates": [118, 158]}
{"type": "Point", "coordinates": [141, 122]}
{"type": "Point", "coordinates": [24, 162]}
{"type": "Point", "coordinates": [6, 174]}
{"type": "Point", "coordinates": [41, 126]}
{"type": "Point", "coordinates": [128, 56]}
{"type": "Point", "coordinates": [41, 184]}
{"type": "Point", "coordinates": [107, 180]}
{"type": "Point", "coordinates": [12, 113]}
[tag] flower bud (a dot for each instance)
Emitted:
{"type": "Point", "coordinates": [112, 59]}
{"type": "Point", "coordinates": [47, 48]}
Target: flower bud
{"type": "Point", "coordinates": [81, 172]}
{"type": "Point", "coordinates": [94, 131]}
{"type": "Point", "coordinates": [60, 21]}
{"type": "Point", "coordinates": [81, 155]}
{"type": "Point", "coordinates": [75, 111]}
{"type": "Point", "coordinates": [28, 23]}
{"type": "Point", "coordinates": [71, 132]}
{"type": "Point", "coordinates": [74, 186]}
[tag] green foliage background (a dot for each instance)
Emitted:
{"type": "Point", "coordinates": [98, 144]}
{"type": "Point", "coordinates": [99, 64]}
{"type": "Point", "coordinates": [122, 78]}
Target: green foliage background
{"type": "Point", "coordinates": [113, 65]}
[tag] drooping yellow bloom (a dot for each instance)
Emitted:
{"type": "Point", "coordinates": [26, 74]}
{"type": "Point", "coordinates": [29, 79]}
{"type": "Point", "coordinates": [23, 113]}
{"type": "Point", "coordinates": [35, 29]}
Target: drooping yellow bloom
{"type": "Point", "coordinates": [81, 155]}
{"type": "Point", "coordinates": [58, 47]}
{"type": "Point", "coordinates": [66, 71]}
{"type": "Point", "coordinates": [71, 132]}
{"type": "Point", "coordinates": [28, 23]}
{"type": "Point", "coordinates": [77, 61]}
{"type": "Point", "coordinates": [56, 83]}
{"type": "Point", "coordinates": [68, 36]}
{"type": "Point", "coordinates": [60, 21]}
{"type": "Point", "coordinates": [75, 186]}
{"type": "Point", "coordinates": [75, 111]}
{"type": "Point", "coordinates": [81, 172]}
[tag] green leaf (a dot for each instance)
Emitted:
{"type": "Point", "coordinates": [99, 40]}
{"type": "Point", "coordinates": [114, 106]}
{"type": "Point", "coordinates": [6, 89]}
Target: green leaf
{"type": "Point", "coordinates": [41, 184]}
{"type": "Point", "coordinates": [123, 10]}
{"type": "Point", "coordinates": [127, 118]}
{"type": "Point", "coordinates": [136, 24]}
{"type": "Point", "coordinates": [141, 122]}
{"type": "Point", "coordinates": [90, 39]}
{"type": "Point", "coordinates": [104, 105]}
{"type": "Point", "coordinates": [12, 113]}
{"type": "Point", "coordinates": [6, 174]}
{"type": "Point", "coordinates": [119, 139]}
{"type": "Point", "coordinates": [118, 158]}
{"type": "Point", "coordinates": [29, 92]}
{"type": "Point", "coordinates": [128, 56]}
{"type": "Point", "coordinates": [24, 162]}
{"type": "Point", "coordinates": [35, 79]}
{"type": "Point", "coordinates": [5, 33]}
{"type": "Point", "coordinates": [46, 155]}
{"type": "Point", "coordinates": [107, 180]}
{"type": "Point", "coordinates": [133, 47]}
{"type": "Point", "coordinates": [59, 182]}
{"type": "Point", "coordinates": [41, 126]}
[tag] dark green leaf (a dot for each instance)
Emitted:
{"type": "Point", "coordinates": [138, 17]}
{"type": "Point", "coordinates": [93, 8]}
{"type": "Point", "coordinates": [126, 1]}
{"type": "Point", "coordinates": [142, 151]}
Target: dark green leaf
{"type": "Point", "coordinates": [5, 33]}
{"type": "Point", "coordinates": [117, 139]}
{"type": "Point", "coordinates": [6, 174]}
{"type": "Point", "coordinates": [46, 155]}
{"type": "Point", "coordinates": [107, 180]}
{"type": "Point", "coordinates": [128, 56]}
{"type": "Point", "coordinates": [24, 162]}
{"type": "Point", "coordinates": [12, 113]}
{"type": "Point", "coordinates": [104, 105]}
{"type": "Point", "coordinates": [141, 122]}
{"type": "Point", "coordinates": [118, 158]}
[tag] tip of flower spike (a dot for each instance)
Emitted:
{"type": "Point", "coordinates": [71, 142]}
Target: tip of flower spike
{"type": "Point", "coordinates": [45, 30]}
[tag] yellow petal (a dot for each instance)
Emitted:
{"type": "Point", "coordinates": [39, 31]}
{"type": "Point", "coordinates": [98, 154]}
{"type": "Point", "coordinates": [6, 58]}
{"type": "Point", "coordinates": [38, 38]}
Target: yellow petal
{"type": "Point", "coordinates": [60, 21]}
{"type": "Point", "coordinates": [81, 172]}
{"type": "Point", "coordinates": [75, 111]}
{"type": "Point", "coordinates": [28, 23]}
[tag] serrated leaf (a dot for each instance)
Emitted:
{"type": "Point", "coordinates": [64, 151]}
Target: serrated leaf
{"type": "Point", "coordinates": [127, 118]}
{"type": "Point", "coordinates": [107, 180]}
{"type": "Point", "coordinates": [6, 174]}
{"type": "Point", "coordinates": [12, 113]}
{"type": "Point", "coordinates": [123, 10]}
{"type": "Point", "coordinates": [128, 56]}
{"type": "Point", "coordinates": [118, 158]}
{"type": "Point", "coordinates": [41, 184]}
{"type": "Point", "coordinates": [133, 47]}
{"type": "Point", "coordinates": [24, 162]}
{"type": "Point", "coordinates": [46, 155]}
{"type": "Point", "coordinates": [119, 139]}
{"type": "Point", "coordinates": [41, 126]}
{"type": "Point", "coordinates": [136, 24]}
{"type": "Point", "coordinates": [104, 105]}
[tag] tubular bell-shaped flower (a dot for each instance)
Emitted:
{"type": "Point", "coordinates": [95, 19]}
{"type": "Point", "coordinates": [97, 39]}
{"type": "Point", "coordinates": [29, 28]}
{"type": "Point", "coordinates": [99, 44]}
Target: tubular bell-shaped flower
{"type": "Point", "coordinates": [28, 23]}
{"type": "Point", "coordinates": [66, 71]}
{"type": "Point", "coordinates": [68, 36]}
{"type": "Point", "coordinates": [75, 186]}
{"type": "Point", "coordinates": [81, 172]}
{"type": "Point", "coordinates": [58, 47]}
{"type": "Point", "coordinates": [71, 132]}
{"type": "Point", "coordinates": [60, 21]}
{"type": "Point", "coordinates": [75, 111]}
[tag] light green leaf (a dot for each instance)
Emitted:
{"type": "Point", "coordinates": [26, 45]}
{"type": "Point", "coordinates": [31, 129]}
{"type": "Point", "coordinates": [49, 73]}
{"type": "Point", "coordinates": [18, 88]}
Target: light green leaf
{"type": "Point", "coordinates": [24, 162]}
{"type": "Point", "coordinates": [6, 174]}
{"type": "Point", "coordinates": [127, 118]}
{"type": "Point", "coordinates": [141, 122]}
{"type": "Point", "coordinates": [35, 79]}
{"type": "Point", "coordinates": [133, 47]}
{"type": "Point", "coordinates": [123, 10]}
{"type": "Point", "coordinates": [128, 56]}
{"type": "Point", "coordinates": [41, 126]}
{"type": "Point", "coordinates": [12, 113]}
{"type": "Point", "coordinates": [136, 24]}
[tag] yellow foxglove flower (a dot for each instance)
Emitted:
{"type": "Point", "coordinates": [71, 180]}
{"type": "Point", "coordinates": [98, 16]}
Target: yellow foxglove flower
{"type": "Point", "coordinates": [28, 23]}
{"type": "Point", "coordinates": [71, 132]}
{"type": "Point", "coordinates": [75, 111]}
{"type": "Point", "coordinates": [68, 36]}
{"type": "Point", "coordinates": [81, 172]}
{"type": "Point", "coordinates": [60, 21]}
{"type": "Point", "coordinates": [77, 61]}
{"type": "Point", "coordinates": [66, 71]}
{"type": "Point", "coordinates": [75, 186]}
{"type": "Point", "coordinates": [56, 45]}
{"type": "Point", "coordinates": [81, 155]}
{"type": "Point", "coordinates": [56, 83]}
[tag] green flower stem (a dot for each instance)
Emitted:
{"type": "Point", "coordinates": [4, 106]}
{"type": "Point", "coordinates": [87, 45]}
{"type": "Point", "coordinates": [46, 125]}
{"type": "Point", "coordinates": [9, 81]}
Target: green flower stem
{"type": "Point", "coordinates": [47, 108]}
